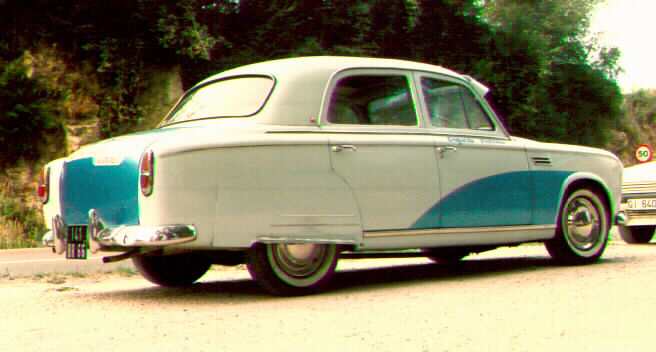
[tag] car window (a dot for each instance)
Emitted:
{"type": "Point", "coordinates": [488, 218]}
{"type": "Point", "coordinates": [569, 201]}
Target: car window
{"type": "Point", "coordinates": [453, 106]}
{"type": "Point", "coordinates": [236, 97]}
{"type": "Point", "coordinates": [372, 100]}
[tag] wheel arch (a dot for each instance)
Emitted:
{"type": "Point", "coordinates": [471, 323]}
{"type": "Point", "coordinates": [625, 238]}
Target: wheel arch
{"type": "Point", "coordinates": [589, 181]}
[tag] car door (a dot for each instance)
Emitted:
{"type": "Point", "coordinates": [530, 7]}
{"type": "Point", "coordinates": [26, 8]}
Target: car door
{"type": "Point", "coordinates": [378, 147]}
{"type": "Point", "coordinates": [484, 174]}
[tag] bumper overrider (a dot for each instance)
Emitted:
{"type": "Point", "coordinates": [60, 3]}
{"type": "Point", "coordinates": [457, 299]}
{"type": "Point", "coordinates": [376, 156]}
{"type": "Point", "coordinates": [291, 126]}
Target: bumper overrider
{"type": "Point", "coordinates": [97, 235]}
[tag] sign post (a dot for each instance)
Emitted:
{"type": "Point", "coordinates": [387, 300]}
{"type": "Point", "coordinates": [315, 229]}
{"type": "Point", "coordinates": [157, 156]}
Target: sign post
{"type": "Point", "coordinates": [644, 153]}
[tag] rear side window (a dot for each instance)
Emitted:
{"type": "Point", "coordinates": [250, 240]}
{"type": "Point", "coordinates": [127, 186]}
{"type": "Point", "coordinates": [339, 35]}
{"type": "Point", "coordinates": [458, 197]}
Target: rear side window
{"type": "Point", "coordinates": [372, 100]}
{"type": "Point", "coordinates": [235, 97]}
{"type": "Point", "coordinates": [453, 106]}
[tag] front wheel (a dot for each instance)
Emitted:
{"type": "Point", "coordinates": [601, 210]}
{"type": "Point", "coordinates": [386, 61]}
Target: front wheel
{"type": "Point", "coordinates": [292, 269]}
{"type": "Point", "coordinates": [637, 234]}
{"type": "Point", "coordinates": [172, 270]}
{"type": "Point", "coordinates": [582, 229]}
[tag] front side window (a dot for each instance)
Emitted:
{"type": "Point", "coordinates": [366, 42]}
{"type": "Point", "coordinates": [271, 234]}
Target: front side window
{"type": "Point", "coordinates": [372, 100]}
{"type": "Point", "coordinates": [453, 106]}
{"type": "Point", "coordinates": [235, 97]}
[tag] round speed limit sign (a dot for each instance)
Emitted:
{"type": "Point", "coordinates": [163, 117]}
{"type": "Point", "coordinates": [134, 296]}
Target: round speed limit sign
{"type": "Point", "coordinates": [644, 153]}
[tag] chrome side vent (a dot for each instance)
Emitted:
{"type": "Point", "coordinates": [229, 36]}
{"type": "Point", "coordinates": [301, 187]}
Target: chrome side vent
{"type": "Point", "coordinates": [541, 160]}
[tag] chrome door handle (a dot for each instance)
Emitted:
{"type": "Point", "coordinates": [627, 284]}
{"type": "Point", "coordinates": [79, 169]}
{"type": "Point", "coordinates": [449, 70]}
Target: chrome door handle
{"type": "Point", "coordinates": [442, 150]}
{"type": "Point", "coordinates": [339, 148]}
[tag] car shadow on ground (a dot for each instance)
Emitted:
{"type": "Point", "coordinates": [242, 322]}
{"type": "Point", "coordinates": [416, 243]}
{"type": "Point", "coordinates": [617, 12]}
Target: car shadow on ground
{"type": "Point", "coordinates": [351, 281]}
{"type": "Point", "coordinates": [473, 269]}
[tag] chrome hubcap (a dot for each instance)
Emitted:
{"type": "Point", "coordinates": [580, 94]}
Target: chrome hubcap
{"type": "Point", "coordinates": [583, 224]}
{"type": "Point", "coordinates": [299, 260]}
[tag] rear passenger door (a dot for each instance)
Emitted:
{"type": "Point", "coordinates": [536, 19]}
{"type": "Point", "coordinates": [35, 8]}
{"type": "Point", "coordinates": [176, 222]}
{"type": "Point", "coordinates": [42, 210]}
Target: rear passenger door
{"type": "Point", "coordinates": [484, 178]}
{"type": "Point", "coordinates": [379, 148]}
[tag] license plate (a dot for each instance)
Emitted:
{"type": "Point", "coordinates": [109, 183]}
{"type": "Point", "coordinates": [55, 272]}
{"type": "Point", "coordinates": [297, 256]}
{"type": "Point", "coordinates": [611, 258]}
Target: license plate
{"type": "Point", "coordinates": [642, 204]}
{"type": "Point", "coordinates": [77, 245]}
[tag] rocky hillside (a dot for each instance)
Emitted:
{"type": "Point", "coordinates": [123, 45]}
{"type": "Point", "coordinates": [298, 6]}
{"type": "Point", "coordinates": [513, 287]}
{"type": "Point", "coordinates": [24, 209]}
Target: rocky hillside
{"type": "Point", "coordinates": [78, 100]}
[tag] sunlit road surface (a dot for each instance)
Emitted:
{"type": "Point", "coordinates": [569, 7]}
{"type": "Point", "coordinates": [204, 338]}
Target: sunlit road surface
{"type": "Point", "coordinates": [43, 260]}
{"type": "Point", "coordinates": [510, 299]}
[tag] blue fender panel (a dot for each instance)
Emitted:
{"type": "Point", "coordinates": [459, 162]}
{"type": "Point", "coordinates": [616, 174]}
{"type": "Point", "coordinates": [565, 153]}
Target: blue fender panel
{"type": "Point", "coordinates": [514, 198]}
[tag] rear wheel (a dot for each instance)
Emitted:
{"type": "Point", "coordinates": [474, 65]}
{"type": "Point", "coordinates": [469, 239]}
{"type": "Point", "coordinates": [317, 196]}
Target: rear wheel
{"type": "Point", "coordinates": [637, 234]}
{"type": "Point", "coordinates": [172, 270]}
{"type": "Point", "coordinates": [582, 229]}
{"type": "Point", "coordinates": [291, 269]}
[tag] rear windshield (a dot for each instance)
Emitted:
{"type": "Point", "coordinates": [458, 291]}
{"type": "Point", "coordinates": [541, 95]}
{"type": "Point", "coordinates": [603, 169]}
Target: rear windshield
{"type": "Point", "coordinates": [235, 97]}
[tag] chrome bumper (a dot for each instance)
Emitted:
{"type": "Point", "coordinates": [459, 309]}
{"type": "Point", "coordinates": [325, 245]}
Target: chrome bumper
{"type": "Point", "coordinates": [100, 235]}
{"type": "Point", "coordinates": [632, 217]}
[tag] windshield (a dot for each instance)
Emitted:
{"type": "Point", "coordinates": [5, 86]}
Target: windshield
{"type": "Point", "coordinates": [235, 97]}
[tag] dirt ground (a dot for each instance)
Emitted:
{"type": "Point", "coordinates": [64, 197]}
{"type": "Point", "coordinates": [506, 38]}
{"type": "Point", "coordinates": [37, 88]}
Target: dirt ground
{"type": "Point", "coordinates": [511, 299]}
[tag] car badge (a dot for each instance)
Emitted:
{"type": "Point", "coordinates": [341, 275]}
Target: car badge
{"type": "Point", "coordinates": [107, 160]}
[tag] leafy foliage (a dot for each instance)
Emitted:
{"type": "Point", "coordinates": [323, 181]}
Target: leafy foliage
{"type": "Point", "coordinates": [184, 33]}
{"type": "Point", "coordinates": [20, 226]}
{"type": "Point", "coordinates": [27, 125]}
{"type": "Point", "coordinates": [531, 53]}
{"type": "Point", "coordinates": [552, 83]}
{"type": "Point", "coordinates": [639, 111]}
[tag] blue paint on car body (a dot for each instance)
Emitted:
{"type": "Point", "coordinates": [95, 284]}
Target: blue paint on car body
{"type": "Point", "coordinates": [549, 187]}
{"type": "Point", "coordinates": [111, 190]}
{"type": "Point", "coordinates": [513, 198]}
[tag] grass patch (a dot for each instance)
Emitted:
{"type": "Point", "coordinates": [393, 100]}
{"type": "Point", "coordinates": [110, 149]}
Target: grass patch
{"type": "Point", "coordinates": [21, 224]}
{"type": "Point", "coordinates": [126, 271]}
{"type": "Point", "coordinates": [77, 274]}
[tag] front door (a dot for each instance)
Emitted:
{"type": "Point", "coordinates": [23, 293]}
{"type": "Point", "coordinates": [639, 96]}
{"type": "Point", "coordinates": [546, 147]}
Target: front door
{"type": "Point", "coordinates": [378, 147]}
{"type": "Point", "coordinates": [484, 174]}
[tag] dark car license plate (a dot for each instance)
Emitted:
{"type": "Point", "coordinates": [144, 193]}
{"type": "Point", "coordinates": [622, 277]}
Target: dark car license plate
{"type": "Point", "coordinates": [77, 245]}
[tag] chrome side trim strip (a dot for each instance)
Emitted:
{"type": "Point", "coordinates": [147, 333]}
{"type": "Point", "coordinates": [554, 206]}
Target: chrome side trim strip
{"type": "Point", "coordinates": [317, 216]}
{"type": "Point", "coordinates": [311, 220]}
{"type": "Point", "coordinates": [303, 240]}
{"type": "Point", "coordinates": [312, 224]}
{"type": "Point", "coordinates": [372, 130]}
{"type": "Point", "coordinates": [450, 231]}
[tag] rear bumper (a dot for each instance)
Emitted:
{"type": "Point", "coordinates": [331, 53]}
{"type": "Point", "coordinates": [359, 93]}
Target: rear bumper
{"type": "Point", "coordinates": [100, 236]}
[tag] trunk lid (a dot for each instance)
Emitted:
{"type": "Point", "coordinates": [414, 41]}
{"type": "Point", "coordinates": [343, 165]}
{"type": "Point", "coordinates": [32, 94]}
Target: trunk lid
{"type": "Point", "coordinates": [105, 176]}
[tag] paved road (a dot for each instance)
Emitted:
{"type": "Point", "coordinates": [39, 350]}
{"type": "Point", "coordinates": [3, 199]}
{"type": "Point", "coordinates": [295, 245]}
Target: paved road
{"type": "Point", "coordinates": [512, 299]}
{"type": "Point", "coordinates": [43, 260]}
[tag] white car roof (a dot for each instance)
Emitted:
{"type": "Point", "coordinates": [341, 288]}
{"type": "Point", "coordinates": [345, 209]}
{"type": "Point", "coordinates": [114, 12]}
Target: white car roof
{"type": "Point", "coordinates": [330, 64]}
{"type": "Point", "coordinates": [303, 81]}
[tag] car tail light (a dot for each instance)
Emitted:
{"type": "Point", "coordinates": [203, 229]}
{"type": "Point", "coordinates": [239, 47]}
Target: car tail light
{"type": "Point", "coordinates": [147, 173]}
{"type": "Point", "coordinates": [44, 185]}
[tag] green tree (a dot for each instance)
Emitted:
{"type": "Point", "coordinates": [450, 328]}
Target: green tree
{"type": "Point", "coordinates": [180, 29]}
{"type": "Point", "coordinates": [28, 127]}
{"type": "Point", "coordinates": [392, 25]}
{"type": "Point", "coordinates": [530, 52]}
{"type": "Point", "coordinates": [450, 33]}
{"type": "Point", "coordinates": [563, 88]}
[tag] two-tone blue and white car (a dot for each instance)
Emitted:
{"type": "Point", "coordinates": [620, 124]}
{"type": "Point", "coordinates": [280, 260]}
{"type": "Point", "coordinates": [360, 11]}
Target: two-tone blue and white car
{"type": "Point", "coordinates": [287, 165]}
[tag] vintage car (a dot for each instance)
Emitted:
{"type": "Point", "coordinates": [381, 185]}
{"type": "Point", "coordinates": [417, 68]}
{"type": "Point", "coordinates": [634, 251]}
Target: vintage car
{"type": "Point", "coordinates": [638, 208]}
{"type": "Point", "coordinates": [288, 165]}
